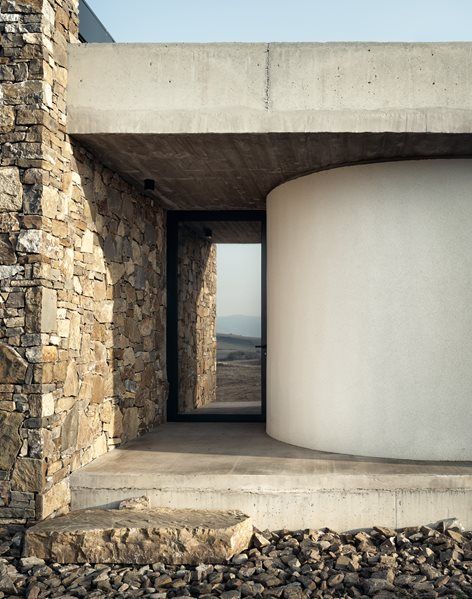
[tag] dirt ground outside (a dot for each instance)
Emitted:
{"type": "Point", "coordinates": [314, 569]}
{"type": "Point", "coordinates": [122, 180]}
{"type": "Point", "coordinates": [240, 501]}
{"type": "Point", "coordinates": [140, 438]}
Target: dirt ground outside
{"type": "Point", "coordinates": [238, 381]}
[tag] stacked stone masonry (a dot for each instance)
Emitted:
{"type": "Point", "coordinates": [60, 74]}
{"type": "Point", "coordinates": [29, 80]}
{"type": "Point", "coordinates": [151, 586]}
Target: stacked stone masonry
{"type": "Point", "coordinates": [82, 279]}
{"type": "Point", "coordinates": [196, 319]}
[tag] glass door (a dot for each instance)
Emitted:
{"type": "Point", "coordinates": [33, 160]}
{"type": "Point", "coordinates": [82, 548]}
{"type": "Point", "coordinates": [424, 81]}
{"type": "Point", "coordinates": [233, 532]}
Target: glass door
{"type": "Point", "coordinates": [216, 315]}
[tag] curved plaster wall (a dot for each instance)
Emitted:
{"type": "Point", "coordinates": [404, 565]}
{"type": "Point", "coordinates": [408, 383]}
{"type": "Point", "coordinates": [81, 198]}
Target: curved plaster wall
{"type": "Point", "coordinates": [370, 310]}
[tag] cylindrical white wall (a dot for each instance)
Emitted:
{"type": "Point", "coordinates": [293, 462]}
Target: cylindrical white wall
{"type": "Point", "coordinates": [370, 310]}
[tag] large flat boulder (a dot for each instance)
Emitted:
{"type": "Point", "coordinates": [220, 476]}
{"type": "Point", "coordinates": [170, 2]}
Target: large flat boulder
{"type": "Point", "coordinates": [140, 536]}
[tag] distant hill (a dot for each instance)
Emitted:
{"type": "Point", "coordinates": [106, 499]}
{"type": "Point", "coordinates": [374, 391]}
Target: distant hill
{"type": "Point", "coordinates": [237, 347]}
{"type": "Point", "coordinates": [239, 324]}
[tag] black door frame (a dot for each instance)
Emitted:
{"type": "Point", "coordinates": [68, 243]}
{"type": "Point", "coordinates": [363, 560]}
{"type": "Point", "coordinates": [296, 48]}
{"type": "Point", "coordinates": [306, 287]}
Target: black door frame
{"type": "Point", "coordinates": [174, 217]}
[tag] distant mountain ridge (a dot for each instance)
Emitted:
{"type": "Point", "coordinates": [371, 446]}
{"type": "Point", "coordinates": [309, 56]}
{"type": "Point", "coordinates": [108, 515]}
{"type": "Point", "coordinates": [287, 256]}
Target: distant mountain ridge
{"type": "Point", "coordinates": [239, 324]}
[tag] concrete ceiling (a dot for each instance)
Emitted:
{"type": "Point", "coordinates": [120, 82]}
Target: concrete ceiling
{"type": "Point", "coordinates": [227, 231]}
{"type": "Point", "coordinates": [236, 171]}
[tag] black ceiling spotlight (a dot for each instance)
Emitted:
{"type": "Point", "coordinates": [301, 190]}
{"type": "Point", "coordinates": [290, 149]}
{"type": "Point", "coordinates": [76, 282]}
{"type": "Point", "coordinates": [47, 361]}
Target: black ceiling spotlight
{"type": "Point", "coordinates": [208, 233]}
{"type": "Point", "coordinates": [149, 185]}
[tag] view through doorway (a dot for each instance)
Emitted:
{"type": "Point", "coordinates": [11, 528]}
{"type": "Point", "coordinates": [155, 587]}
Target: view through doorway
{"type": "Point", "coordinates": [238, 329]}
{"type": "Point", "coordinates": [216, 325]}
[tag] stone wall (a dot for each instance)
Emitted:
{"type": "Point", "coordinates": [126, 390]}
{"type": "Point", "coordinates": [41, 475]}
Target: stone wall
{"type": "Point", "coordinates": [82, 285]}
{"type": "Point", "coordinates": [196, 319]}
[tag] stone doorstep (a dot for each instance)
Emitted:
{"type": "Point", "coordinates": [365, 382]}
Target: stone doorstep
{"type": "Point", "coordinates": [144, 536]}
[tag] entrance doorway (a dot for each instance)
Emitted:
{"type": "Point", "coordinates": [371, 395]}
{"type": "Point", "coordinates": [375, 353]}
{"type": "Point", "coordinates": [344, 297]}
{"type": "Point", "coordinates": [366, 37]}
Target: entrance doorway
{"type": "Point", "coordinates": [216, 323]}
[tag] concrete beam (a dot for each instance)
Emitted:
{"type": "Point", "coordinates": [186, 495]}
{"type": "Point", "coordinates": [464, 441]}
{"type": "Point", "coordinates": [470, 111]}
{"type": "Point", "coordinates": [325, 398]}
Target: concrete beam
{"type": "Point", "coordinates": [258, 88]}
{"type": "Point", "coordinates": [218, 126]}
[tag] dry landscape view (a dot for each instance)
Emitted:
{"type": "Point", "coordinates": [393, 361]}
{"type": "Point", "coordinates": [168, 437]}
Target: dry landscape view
{"type": "Point", "coordinates": [238, 371]}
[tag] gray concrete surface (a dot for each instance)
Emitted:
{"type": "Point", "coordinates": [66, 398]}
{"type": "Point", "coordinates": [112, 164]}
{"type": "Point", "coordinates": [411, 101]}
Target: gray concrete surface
{"type": "Point", "coordinates": [237, 171]}
{"type": "Point", "coordinates": [261, 88]}
{"type": "Point", "coordinates": [237, 466]}
{"type": "Point", "coordinates": [220, 125]}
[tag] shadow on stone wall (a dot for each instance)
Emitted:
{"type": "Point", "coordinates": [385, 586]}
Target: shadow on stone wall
{"type": "Point", "coordinates": [196, 319]}
{"type": "Point", "coordinates": [111, 315]}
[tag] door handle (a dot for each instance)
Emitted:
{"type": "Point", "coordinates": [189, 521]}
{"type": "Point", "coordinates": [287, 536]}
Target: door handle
{"type": "Point", "coordinates": [261, 346]}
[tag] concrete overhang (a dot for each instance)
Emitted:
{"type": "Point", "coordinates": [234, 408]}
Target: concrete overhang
{"type": "Point", "coordinates": [236, 231]}
{"type": "Point", "coordinates": [220, 125]}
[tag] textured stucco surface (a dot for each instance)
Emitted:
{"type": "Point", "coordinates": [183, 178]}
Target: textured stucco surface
{"type": "Point", "coordinates": [369, 321]}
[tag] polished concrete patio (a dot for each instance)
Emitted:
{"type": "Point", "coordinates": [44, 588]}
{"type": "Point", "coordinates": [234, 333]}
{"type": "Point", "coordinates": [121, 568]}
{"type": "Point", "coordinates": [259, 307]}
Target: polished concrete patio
{"type": "Point", "coordinates": [236, 465]}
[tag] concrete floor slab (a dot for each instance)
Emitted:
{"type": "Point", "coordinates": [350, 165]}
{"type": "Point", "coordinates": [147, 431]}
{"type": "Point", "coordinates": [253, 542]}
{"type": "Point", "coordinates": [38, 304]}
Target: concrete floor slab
{"type": "Point", "coordinates": [238, 466]}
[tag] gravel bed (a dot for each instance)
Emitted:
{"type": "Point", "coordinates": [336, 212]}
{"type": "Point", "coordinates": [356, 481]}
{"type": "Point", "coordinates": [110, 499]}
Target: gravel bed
{"type": "Point", "coordinates": [412, 562]}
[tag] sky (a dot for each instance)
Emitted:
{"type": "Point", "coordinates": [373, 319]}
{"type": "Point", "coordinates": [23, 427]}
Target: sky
{"type": "Point", "coordinates": [280, 21]}
{"type": "Point", "coordinates": [285, 20]}
{"type": "Point", "coordinates": [238, 289]}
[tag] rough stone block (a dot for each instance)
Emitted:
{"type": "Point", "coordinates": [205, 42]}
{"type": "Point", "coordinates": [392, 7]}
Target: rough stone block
{"type": "Point", "coordinates": [10, 441]}
{"type": "Point", "coordinates": [11, 190]}
{"type": "Point", "coordinates": [87, 243]}
{"type": "Point", "coordinates": [36, 241]}
{"type": "Point", "coordinates": [7, 251]}
{"type": "Point", "coordinates": [74, 330]}
{"type": "Point", "coordinates": [49, 201]}
{"type": "Point", "coordinates": [56, 498]}
{"type": "Point", "coordinates": [48, 310]}
{"type": "Point", "coordinates": [42, 354]}
{"type": "Point", "coordinates": [12, 365]}
{"type": "Point", "coordinates": [7, 272]}
{"type": "Point", "coordinates": [141, 536]}
{"type": "Point", "coordinates": [9, 222]}
{"type": "Point", "coordinates": [130, 423]}
{"type": "Point", "coordinates": [71, 384]}
{"type": "Point", "coordinates": [30, 241]}
{"type": "Point", "coordinates": [47, 404]}
{"type": "Point", "coordinates": [8, 121]}
{"type": "Point", "coordinates": [70, 429]}
{"type": "Point", "coordinates": [28, 475]}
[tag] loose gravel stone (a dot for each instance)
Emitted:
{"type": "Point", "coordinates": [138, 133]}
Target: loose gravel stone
{"type": "Point", "coordinates": [421, 562]}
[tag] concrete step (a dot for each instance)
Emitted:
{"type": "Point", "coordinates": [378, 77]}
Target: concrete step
{"type": "Point", "coordinates": [141, 536]}
{"type": "Point", "coordinates": [226, 466]}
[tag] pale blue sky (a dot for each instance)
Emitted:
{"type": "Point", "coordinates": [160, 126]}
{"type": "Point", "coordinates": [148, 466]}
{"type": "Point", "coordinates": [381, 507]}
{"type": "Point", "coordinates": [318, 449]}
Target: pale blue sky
{"type": "Point", "coordinates": [238, 288]}
{"type": "Point", "coordinates": [285, 20]}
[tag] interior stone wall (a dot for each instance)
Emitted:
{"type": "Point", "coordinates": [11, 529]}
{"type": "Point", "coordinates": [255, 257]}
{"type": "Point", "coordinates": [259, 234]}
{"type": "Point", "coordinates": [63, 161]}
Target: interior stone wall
{"type": "Point", "coordinates": [196, 319]}
{"type": "Point", "coordinates": [82, 279]}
